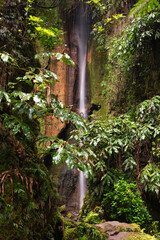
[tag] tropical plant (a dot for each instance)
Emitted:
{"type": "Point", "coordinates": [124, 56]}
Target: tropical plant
{"type": "Point", "coordinates": [120, 147]}
{"type": "Point", "coordinates": [144, 6]}
{"type": "Point", "coordinates": [124, 203]}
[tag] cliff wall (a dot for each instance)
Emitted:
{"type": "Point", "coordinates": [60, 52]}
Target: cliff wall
{"type": "Point", "coordinates": [112, 85]}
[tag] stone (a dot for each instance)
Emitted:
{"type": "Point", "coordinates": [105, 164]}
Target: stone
{"type": "Point", "coordinates": [131, 236]}
{"type": "Point", "coordinates": [115, 226]}
{"type": "Point", "coordinates": [122, 231]}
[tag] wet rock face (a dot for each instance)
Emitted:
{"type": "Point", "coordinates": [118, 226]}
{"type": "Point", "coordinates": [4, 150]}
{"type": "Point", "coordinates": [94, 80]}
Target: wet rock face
{"type": "Point", "coordinates": [114, 227]}
{"type": "Point", "coordinates": [69, 179]}
{"type": "Point", "coordinates": [67, 90]}
{"type": "Point", "coordinates": [69, 189]}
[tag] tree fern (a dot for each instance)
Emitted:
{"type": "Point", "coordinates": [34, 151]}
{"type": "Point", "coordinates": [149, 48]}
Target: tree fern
{"type": "Point", "coordinates": [144, 6]}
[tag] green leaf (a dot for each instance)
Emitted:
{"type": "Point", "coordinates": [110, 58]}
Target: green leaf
{"type": "Point", "coordinates": [4, 57]}
{"type": "Point", "coordinates": [16, 129]}
{"type": "Point", "coordinates": [1, 95]}
{"type": "Point", "coordinates": [7, 97]}
{"type": "Point", "coordinates": [27, 131]}
{"type": "Point", "coordinates": [58, 157]}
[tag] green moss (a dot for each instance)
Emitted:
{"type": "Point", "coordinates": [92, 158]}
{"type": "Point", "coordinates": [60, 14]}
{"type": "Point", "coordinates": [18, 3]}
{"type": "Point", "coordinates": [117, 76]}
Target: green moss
{"type": "Point", "coordinates": [140, 237]}
{"type": "Point", "coordinates": [70, 233]}
{"type": "Point", "coordinates": [95, 68]}
{"type": "Point", "coordinates": [82, 231]}
{"type": "Point", "coordinates": [135, 228]}
{"type": "Point", "coordinates": [131, 228]}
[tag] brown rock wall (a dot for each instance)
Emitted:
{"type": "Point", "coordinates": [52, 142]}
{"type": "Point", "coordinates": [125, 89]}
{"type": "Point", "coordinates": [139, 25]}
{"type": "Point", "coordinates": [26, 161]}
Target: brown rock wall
{"type": "Point", "coordinates": [52, 125]}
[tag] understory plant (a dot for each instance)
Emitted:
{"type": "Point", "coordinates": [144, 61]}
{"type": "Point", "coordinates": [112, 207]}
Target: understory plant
{"type": "Point", "coordinates": [121, 147]}
{"type": "Point", "coordinates": [82, 231]}
{"type": "Point", "coordinates": [26, 200]}
{"type": "Point", "coordinates": [125, 204]}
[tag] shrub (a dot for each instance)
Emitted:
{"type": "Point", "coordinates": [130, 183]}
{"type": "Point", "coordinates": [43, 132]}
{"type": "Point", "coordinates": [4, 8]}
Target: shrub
{"type": "Point", "coordinates": [124, 203]}
{"type": "Point", "coordinates": [92, 218]}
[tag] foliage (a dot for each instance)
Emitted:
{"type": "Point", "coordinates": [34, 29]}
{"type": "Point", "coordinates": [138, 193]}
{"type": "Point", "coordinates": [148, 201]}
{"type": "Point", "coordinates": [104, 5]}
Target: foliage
{"type": "Point", "coordinates": [115, 143]}
{"type": "Point", "coordinates": [101, 27]}
{"type": "Point", "coordinates": [28, 200]}
{"type": "Point", "coordinates": [20, 108]}
{"type": "Point", "coordinates": [129, 46]}
{"type": "Point", "coordinates": [121, 147]}
{"type": "Point", "coordinates": [59, 56]}
{"type": "Point", "coordinates": [103, 149]}
{"type": "Point", "coordinates": [92, 218]}
{"type": "Point", "coordinates": [124, 203]}
{"type": "Point", "coordinates": [129, 54]}
{"type": "Point", "coordinates": [156, 147]}
{"type": "Point", "coordinates": [150, 178]}
{"type": "Point", "coordinates": [49, 37]}
{"type": "Point", "coordinates": [82, 231]}
{"type": "Point", "coordinates": [144, 6]}
{"type": "Point", "coordinates": [105, 140]}
{"type": "Point", "coordinates": [128, 143]}
{"type": "Point", "coordinates": [25, 202]}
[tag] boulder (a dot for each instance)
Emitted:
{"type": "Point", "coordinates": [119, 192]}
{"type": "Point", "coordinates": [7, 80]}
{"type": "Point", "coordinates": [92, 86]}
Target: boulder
{"type": "Point", "coordinates": [122, 231]}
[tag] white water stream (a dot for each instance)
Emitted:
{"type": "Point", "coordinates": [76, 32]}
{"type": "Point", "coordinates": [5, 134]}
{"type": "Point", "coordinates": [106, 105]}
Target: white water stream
{"type": "Point", "coordinates": [82, 58]}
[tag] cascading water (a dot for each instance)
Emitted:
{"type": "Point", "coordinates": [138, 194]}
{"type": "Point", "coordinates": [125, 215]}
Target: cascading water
{"type": "Point", "coordinates": [82, 58]}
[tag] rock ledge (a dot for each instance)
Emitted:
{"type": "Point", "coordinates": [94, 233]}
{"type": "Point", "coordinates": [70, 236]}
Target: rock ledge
{"type": "Point", "coordinates": [122, 231]}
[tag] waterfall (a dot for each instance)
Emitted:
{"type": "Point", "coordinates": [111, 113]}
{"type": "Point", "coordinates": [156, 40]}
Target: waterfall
{"type": "Point", "coordinates": [82, 58]}
{"type": "Point", "coordinates": [82, 184]}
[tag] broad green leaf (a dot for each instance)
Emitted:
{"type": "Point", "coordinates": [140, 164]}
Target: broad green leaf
{"type": "Point", "coordinates": [27, 131]}
{"type": "Point", "coordinates": [16, 129]}
{"type": "Point", "coordinates": [4, 57]}
{"type": "Point", "coordinates": [7, 97]}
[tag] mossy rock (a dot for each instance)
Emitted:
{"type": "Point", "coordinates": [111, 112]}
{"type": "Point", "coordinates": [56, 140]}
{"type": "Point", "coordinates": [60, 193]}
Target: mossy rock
{"type": "Point", "coordinates": [115, 226]}
{"type": "Point", "coordinates": [135, 236]}
{"type": "Point", "coordinates": [124, 227]}
{"type": "Point", "coordinates": [82, 231]}
{"type": "Point", "coordinates": [123, 231]}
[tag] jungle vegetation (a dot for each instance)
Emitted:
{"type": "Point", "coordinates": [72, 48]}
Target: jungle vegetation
{"type": "Point", "coordinates": [120, 154]}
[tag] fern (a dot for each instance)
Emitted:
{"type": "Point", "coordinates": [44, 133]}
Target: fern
{"type": "Point", "coordinates": [144, 6]}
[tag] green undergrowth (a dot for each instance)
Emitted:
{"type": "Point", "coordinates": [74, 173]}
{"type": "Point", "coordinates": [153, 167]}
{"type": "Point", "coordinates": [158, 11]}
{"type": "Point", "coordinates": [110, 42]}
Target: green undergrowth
{"type": "Point", "coordinates": [92, 228]}
{"type": "Point", "coordinates": [125, 204]}
{"type": "Point", "coordinates": [82, 231]}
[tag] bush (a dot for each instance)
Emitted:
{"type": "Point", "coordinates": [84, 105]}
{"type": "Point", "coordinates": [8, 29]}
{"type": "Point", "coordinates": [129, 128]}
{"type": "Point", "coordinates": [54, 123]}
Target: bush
{"type": "Point", "coordinates": [82, 231]}
{"type": "Point", "coordinates": [92, 218]}
{"type": "Point", "coordinates": [124, 203]}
